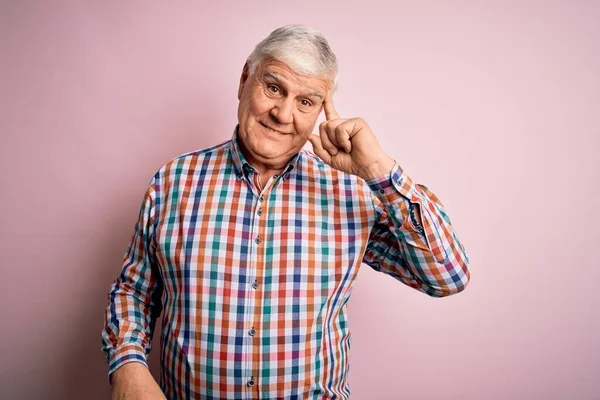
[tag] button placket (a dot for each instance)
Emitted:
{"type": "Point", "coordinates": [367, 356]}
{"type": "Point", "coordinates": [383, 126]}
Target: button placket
{"type": "Point", "coordinates": [253, 271]}
{"type": "Point", "coordinates": [260, 233]}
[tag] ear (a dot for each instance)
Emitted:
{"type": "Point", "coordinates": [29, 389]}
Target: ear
{"type": "Point", "coordinates": [243, 80]}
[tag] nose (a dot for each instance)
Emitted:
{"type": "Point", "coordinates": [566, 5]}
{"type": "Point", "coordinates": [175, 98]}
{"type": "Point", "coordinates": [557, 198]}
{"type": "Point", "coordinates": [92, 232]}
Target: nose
{"type": "Point", "coordinates": [283, 111]}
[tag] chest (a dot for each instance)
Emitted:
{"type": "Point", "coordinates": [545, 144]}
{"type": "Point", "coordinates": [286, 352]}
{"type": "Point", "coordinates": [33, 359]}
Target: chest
{"type": "Point", "coordinates": [228, 234]}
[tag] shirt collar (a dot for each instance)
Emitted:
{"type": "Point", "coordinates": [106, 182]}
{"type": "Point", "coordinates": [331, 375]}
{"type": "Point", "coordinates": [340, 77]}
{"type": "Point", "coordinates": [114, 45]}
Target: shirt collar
{"type": "Point", "coordinates": [243, 167]}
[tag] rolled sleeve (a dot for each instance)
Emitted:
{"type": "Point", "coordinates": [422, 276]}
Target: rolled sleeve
{"type": "Point", "coordinates": [135, 296]}
{"type": "Point", "coordinates": [425, 255]}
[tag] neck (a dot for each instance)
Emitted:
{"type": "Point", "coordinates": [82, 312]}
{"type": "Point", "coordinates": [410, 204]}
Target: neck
{"type": "Point", "coordinates": [266, 168]}
{"type": "Point", "coordinates": [266, 172]}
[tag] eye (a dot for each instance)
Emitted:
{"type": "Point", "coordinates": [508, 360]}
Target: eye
{"type": "Point", "coordinates": [306, 103]}
{"type": "Point", "coordinates": [273, 89]}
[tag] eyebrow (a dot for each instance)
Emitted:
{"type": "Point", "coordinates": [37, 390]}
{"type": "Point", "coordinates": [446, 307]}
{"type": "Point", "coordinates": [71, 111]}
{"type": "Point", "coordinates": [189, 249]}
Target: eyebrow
{"type": "Point", "coordinates": [281, 80]}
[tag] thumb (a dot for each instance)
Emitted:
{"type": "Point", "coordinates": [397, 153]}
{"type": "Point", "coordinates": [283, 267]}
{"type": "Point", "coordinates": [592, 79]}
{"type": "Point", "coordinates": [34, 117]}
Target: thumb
{"type": "Point", "coordinates": [318, 149]}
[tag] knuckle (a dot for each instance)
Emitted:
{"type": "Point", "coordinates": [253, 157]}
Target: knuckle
{"type": "Point", "coordinates": [340, 130]}
{"type": "Point", "coordinates": [330, 130]}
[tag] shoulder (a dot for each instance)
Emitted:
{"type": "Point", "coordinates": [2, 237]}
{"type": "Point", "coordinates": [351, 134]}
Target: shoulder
{"type": "Point", "coordinates": [187, 162]}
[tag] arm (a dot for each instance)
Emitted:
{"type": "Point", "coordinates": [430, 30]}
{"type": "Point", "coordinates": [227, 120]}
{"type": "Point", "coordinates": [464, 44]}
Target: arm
{"type": "Point", "coordinates": [133, 381]}
{"type": "Point", "coordinates": [413, 239]}
{"type": "Point", "coordinates": [134, 306]}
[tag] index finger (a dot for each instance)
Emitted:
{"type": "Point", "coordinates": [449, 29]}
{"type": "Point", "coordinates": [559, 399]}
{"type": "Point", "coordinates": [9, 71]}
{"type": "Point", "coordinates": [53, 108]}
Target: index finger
{"type": "Point", "coordinates": [330, 112]}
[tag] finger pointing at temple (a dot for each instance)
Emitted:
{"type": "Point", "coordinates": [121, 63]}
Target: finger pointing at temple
{"type": "Point", "coordinates": [330, 112]}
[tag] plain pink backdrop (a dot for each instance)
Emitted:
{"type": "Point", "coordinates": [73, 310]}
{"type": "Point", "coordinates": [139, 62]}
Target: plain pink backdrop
{"type": "Point", "coordinates": [493, 105]}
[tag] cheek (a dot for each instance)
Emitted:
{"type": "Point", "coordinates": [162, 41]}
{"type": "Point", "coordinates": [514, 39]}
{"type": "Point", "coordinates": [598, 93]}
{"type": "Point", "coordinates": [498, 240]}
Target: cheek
{"type": "Point", "coordinates": [306, 123]}
{"type": "Point", "coordinates": [258, 103]}
{"type": "Point", "coordinates": [249, 105]}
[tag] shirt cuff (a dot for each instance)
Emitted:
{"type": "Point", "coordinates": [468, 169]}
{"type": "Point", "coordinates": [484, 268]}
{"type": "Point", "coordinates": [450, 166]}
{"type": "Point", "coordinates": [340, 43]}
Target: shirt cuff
{"type": "Point", "coordinates": [390, 187]}
{"type": "Point", "coordinates": [124, 355]}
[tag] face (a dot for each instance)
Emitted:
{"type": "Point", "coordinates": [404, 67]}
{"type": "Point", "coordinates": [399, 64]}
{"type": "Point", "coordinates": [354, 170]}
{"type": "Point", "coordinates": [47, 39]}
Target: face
{"type": "Point", "coordinates": [278, 109]}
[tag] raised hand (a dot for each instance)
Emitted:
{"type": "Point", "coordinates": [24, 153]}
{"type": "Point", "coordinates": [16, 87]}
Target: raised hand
{"type": "Point", "coordinates": [349, 145]}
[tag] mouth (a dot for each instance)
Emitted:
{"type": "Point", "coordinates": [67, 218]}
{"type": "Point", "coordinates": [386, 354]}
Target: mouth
{"type": "Point", "coordinates": [275, 131]}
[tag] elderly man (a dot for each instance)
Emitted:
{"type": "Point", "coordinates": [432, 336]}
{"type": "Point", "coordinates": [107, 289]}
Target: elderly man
{"type": "Point", "coordinates": [250, 248]}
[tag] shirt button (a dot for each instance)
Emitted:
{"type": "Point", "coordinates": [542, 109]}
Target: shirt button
{"type": "Point", "coordinates": [381, 191]}
{"type": "Point", "coordinates": [255, 284]}
{"type": "Point", "coordinates": [252, 332]}
{"type": "Point", "coordinates": [259, 212]}
{"type": "Point", "coordinates": [258, 240]}
{"type": "Point", "coordinates": [251, 382]}
{"type": "Point", "coordinates": [261, 199]}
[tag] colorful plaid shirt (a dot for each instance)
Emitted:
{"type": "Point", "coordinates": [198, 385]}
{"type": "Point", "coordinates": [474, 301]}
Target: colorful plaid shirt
{"type": "Point", "coordinates": [253, 283]}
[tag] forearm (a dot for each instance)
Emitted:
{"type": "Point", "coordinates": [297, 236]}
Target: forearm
{"type": "Point", "coordinates": [415, 241]}
{"type": "Point", "coordinates": [134, 381]}
{"type": "Point", "coordinates": [129, 323]}
{"type": "Point", "coordinates": [438, 260]}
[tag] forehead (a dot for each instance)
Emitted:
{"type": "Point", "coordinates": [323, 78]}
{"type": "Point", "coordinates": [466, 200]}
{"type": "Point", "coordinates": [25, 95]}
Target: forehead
{"type": "Point", "coordinates": [280, 72]}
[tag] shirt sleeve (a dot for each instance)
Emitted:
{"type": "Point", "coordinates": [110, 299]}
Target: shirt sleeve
{"type": "Point", "coordinates": [134, 297]}
{"type": "Point", "coordinates": [427, 256]}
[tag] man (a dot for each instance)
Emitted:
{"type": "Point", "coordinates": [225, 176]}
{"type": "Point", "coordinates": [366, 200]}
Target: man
{"type": "Point", "coordinates": [250, 248]}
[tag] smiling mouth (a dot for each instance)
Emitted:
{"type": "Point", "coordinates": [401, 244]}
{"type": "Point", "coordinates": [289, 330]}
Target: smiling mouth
{"type": "Point", "coordinates": [273, 130]}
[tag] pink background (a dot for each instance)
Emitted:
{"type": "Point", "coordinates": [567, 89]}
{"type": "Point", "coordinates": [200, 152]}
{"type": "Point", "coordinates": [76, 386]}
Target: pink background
{"type": "Point", "coordinates": [493, 105]}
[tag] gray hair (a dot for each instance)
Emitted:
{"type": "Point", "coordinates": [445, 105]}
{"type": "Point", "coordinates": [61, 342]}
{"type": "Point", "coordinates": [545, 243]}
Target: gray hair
{"type": "Point", "coordinates": [304, 49]}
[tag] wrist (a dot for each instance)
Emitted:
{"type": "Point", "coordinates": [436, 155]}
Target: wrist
{"type": "Point", "coordinates": [128, 372]}
{"type": "Point", "coordinates": [377, 169]}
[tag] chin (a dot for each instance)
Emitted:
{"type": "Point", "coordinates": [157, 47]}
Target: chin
{"type": "Point", "coordinates": [268, 152]}
{"type": "Point", "coordinates": [268, 145]}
